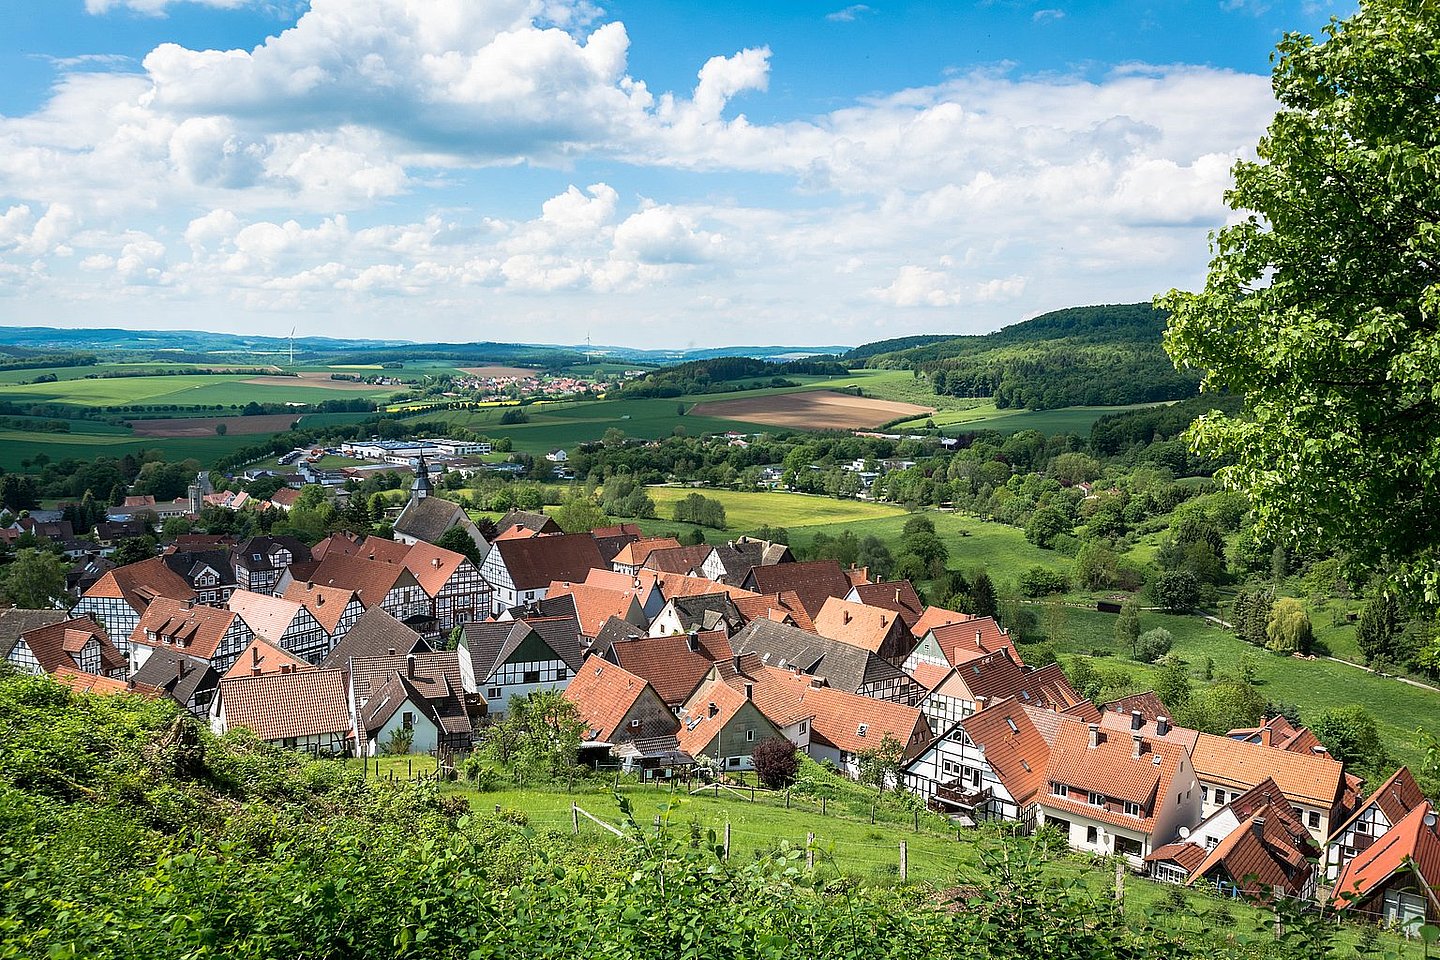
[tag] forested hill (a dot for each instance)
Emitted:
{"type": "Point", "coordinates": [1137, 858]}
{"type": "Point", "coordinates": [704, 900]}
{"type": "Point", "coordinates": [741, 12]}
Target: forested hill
{"type": "Point", "coordinates": [728, 373]}
{"type": "Point", "coordinates": [1101, 355]}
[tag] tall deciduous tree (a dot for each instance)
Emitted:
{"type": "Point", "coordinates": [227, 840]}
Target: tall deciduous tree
{"type": "Point", "coordinates": [36, 579]}
{"type": "Point", "coordinates": [1322, 302]}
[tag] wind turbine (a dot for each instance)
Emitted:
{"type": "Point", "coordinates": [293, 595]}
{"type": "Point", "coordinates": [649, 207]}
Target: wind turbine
{"type": "Point", "coordinates": [292, 346]}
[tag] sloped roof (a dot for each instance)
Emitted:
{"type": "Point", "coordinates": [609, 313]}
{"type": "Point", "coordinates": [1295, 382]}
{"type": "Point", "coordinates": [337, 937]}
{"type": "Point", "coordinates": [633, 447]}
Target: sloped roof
{"type": "Point", "coordinates": [191, 563]}
{"type": "Point", "coordinates": [433, 566]}
{"type": "Point", "coordinates": [603, 693]}
{"type": "Point", "coordinates": [537, 522]}
{"type": "Point", "coordinates": [535, 562]}
{"type": "Point", "coordinates": [996, 676]}
{"type": "Point", "coordinates": [672, 585]}
{"type": "Point", "coordinates": [281, 705]}
{"type": "Point", "coordinates": [436, 677]}
{"type": "Point", "coordinates": [1311, 779]}
{"type": "Point", "coordinates": [374, 634]}
{"type": "Point", "coordinates": [635, 553]}
{"type": "Point", "coordinates": [326, 604]}
{"type": "Point", "coordinates": [1396, 797]}
{"type": "Point", "coordinates": [845, 667]}
{"type": "Point", "coordinates": [372, 580]}
{"type": "Point", "coordinates": [1411, 841]}
{"type": "Point", "coordinates": [82, 682]}
{"type": "Point", "coordinates": [386, 701]}
{"type": "Point", "coordinates": [1123, 723]}
{"type": "Point", "coordinates": [698, 726]}
{"type": "Point", "coordinates": [856, 624]}
{"type": "Point", "coordinates": [139, 583]}
{"type": "Point", "coordinates": [708, 611]}
{"type": "Point", "coordinates": [1188, 855]}
{"type": "Point", "coordinates": [896, 595]}
{"type": "Point", "coordinates": [668, 663]}
{"type": "Point", "coordinates": [345, 544]}
{"type": "Point", "coordinates": [838, 718]}
{"type": "Point", "coordinates": [492, 642]}
{"type": "Point", "coordinates": [1280, 733]}
{"type": "Point", "coordinates": [179, 676]}
{"type": "Point", "coordinates": [428, 518]}
{"type": "Point", "coordinates": [268, 616]}
{"type": "Point", "coordinates": [194, 629]}
{"type": "Point", "coordinates": [55, 645]}
{"type": "Point", "coordinates": [784, 607]}
{"type": "Point", "coordinates": [267, 547]}
{"type": "Point", "coordinates": [1149, 704]}
{"type": "Point", "coordinates": [1112, 769]}
{"type": "Point", "coordinates": [594, 605]}
{"type": "Point", "coordinates": [932, 617]}
{"type": "Point", "coordinates": [615, 631]}
{"type": "Point", "coordinates": [15, 621]}
{"type": "Point", "coordinates": [813, 582]}
{"type": "Point", "coordinates": [677, 559]}
{"type": "Point", "coordinates": [974, 638]}
{"type": "Point", "coordinates": [929, 675]}
{"type": "Point", "coordinates": [1014, 747]}
{"type": "Point", "coordinates": [262, 657]}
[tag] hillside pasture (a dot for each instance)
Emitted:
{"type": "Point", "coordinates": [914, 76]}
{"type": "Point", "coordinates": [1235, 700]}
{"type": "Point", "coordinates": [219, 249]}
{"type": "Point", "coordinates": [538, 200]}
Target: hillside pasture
{"type": "Point", "coordinates": [321, 380]}
{"type": "Point", "coordinates": [984, 415]}
{"type": "Point", "coordinates": [809, 410]}
{"type": "Point", "coordinates": [499, 371]}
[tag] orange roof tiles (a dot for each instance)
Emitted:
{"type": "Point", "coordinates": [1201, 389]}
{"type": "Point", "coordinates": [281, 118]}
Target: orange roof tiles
{"type": "Point", "coordinates": [783, 607]}
{"type": "Point", "coordinates": [595, 605]}
{"type": "Point", "coordinates": [963, 642]}
{"type": "Point", "coordinates": [81, 682]}
{"type": "Point", "coordinates": [139, 583]}
{"type": "Point", "coordinates": [698, 724]}
{"type": "Point", "coordinates": [896, 595]}
{"type": "Point", "coordinates": [1310, 779]}
{"type": "Point", "coordinates": [326, 604]}
{"type": "Point", "coordinates": [928, 674]}
{"type": "Point", "coordinates": [856, 624]}
{"type": "Point", "coordinates": [56, 645]}
{"type": "Point", "coordinates": [813, 581]}
{"type": "Point", "coordinates": [1412, 842]}
{"type": "Point", "coordinates": [262, 657]}
{"type": "Point", "coordinates": [1112, 769]}
{"type": "Point", "coordinates": [668, 663]}
{"type": "Point", "coordinates": [603, 693]}
{"type": "Point", "coordinates": [365, 548]}
{"type": "Point", "coordinates": [1014, 747]}
{"type": "Point", "coordinates": [933, 617]}
{"type": "Point", "coordinates": [1396, 797]}
{"type": "Point", "coordinates": [191, 628]}
{"type": "Point", "coordinates": [636, 553]}
{"type": "Point", "coordinates": [433, 566]}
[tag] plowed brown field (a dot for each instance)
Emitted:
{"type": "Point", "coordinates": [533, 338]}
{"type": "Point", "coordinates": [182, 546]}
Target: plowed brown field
{"type": "Point", "coordinates": [815, 410]}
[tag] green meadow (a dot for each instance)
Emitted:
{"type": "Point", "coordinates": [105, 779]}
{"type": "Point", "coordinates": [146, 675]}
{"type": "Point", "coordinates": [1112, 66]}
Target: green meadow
{"type": "Point", "coordinates": [745, 512]}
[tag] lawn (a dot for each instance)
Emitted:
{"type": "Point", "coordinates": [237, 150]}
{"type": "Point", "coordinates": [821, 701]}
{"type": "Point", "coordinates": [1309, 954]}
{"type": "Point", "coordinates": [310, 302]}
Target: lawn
{"type": "Point", "coordinates": [939, 854]}
{"type": "Point", "coordinates": [746, 511]}
{"type": "Point", "coordinates": [1312, 685]}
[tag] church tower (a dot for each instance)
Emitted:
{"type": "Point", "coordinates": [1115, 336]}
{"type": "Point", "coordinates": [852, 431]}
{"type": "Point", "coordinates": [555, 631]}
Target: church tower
{"type": "Point", "coordinates": [420, 488]}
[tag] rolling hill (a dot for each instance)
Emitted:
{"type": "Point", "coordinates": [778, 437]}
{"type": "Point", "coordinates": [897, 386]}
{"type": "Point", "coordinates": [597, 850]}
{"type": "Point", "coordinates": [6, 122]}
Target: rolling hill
{"type": "Point", "coordinates": [1107, 355]}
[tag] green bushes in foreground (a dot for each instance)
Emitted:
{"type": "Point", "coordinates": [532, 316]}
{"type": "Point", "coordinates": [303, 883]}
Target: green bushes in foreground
{"type": "Point", "coordinates": [127, 831]}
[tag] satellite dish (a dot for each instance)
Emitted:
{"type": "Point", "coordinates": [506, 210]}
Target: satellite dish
{"type": "Point", "coordinates": [1184, 833]}
{"type": "Point", "coordinates": [1429, 819]}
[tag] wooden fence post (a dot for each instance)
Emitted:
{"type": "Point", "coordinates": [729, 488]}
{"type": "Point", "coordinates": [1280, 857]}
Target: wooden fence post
{"type": "Point", "coordinates": [1119, 882]}
{"type": "Point", "coordinates": [872, 813]}
{"type": "Point", "coordinates": [575, 818]}
{"type": "Point", "coordinates": [904, 862]}
{"type": "Point", "coordinates": [822, 806]}
{"type": "Point", "coordinates": [787, 798]}
{"type": "Point", "coordinates": [409, 768]}
{"type": "Point", "coordinates": [809, 851]}
{"type": "Point", "coordinates": [727, 839]}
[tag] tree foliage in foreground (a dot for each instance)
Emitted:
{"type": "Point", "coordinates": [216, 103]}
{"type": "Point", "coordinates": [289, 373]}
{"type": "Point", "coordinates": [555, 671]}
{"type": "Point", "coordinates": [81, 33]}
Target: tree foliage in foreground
{"type": "Point", "coordinates": [1322, 305]}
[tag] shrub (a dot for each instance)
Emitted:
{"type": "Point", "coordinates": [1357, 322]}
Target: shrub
{"type": "Point", "coordinates": [1153, 644]}
{"type": "Point", "coordinates": [776, 762]}
{"type": "Point", "coordinates": [1040, 581]}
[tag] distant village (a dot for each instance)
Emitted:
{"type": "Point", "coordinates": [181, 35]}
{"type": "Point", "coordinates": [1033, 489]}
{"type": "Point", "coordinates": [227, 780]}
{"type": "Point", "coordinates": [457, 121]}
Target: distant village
{"type": "Point", "coordinates": [680, 658]}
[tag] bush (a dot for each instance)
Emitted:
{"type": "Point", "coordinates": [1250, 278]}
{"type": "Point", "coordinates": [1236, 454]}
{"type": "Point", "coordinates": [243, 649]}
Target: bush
{"type": "Point", "coordinates": [1040, 581]}
{"type": "Point", "coordinates": [1153, 644]}
{"type": "Point", "coordinates": [776, 762]}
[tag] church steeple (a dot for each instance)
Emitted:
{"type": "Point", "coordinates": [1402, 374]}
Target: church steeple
{"type": "Point", "coordinates": [420, 488]}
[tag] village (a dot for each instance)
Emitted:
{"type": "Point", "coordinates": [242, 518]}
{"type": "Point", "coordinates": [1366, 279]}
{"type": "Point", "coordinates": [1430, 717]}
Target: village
{"type": "Point", "coordinates": [684, 659]}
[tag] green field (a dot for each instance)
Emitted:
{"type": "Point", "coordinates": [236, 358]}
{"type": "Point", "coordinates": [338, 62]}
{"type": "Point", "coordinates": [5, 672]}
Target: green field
{"type": "Point", "coordinates": [984, 415]}
{"type": "Point", "coordinates": [566, 424]}
{"type": "Point", "coordinates": [747, 511]}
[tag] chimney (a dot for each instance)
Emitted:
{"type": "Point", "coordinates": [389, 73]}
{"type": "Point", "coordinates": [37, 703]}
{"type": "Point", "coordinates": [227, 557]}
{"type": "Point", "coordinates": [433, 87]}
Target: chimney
{"type": "Point", "coordinates": [897, 597]}
{"type": "Point", "coordinates": [410, 666]}
{"type": "Point", "coordinates": [749, 691]}
{"type": "Point", "coordinates": [1258, 825]}
{"type": "Point", "coordinates": [692, 642]}
{"type": "Point", "coordinates": [979, 644]}
{"type": "Point", "coordinates": [179, 667]}
{"type": "Point", "coordinates": [1137, 720]}
{"type": "Point", "coordinates": [390, 651]}
{"type": "Point", "coordinates": [737, 663]}
{"type": "Point", "coordinates": [255, 654]}
{"type": "Point", "coordinates": [713, 708]}
{"type": "Point", "coordinates": [435, 562]}
{"type": "Point", "coordinates": [846, 615]}
{"type": "Point", "coordinates": [1162, 726]}
{"type": "Point", "coordinates": [320, 600]}
{"type": "Point", "coordinates": [1137, 744]}
{"type": "Point", "coordinates": [815, 682]}
{"type": "Point", "coordinates": [1094, 735]}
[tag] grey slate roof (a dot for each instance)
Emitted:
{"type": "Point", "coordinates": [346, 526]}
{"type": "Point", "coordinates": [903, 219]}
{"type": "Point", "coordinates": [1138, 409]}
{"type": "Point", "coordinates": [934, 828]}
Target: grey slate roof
{"type": "Point", "coordinates": [846, 667]}
{"type": "Point", "coordinates": [161, 670]}
{"type": "Point", "coordinates": [538, 522]}
{"type": "Point", "coordinates": [708, 611]}
{"type": "Point", "coordinates": [437, 680]}
{"type": "Point", "coordinates": [375, 634]}
{"type": "Point", "coordinates": [428, 518]}
{"type": "Point", "coordinates": [492, 642]}
{"type": "Point", "coordinates": [615, 631]}
{"type": "Point", "coordinates": [266, 547]}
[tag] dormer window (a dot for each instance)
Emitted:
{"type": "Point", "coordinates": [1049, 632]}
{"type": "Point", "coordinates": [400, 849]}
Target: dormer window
{"type": "Point", "coordinates": [1058, 789]}
{"type": "Point", "coordinates": [1097, 799]}
{"type": "Point", "coordinates": [1132, 809]}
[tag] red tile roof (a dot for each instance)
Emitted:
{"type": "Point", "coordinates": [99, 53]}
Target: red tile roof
{"type": "Point", "coordinates": [82, 682]}
{"type": "Point", "coordinates": [966, 641]}
{"type": "Point", "coordinates": [139, 583]}
{"type": "Point", "coordinates": [933, 617]}
{"type": "Point", "coordinates": [371, 579]}
{"type": "Point", "coordinates": [56, 646]}
{"type": "Point", "coordinates": [677, 559]}
{"type": "Point", "coordinates": [636, 553]}
{"type": "Point", "coordinates": [1396, 797]}
{"type": "Point", "coordinates": [534, 563]}
{"type": "Point", "coordinates": [1280, 733]}
{"type": "Point", "coordinates": [365, 548]}
{"type": "Point", "coordinates": [784, 607]}
{"type": "Point", "coordinates": [262, 657]}
{"type": "Point", "coordinates": [595, 605]}
{"type": "Point", "coordinates": [896, 595]}
{"type": "Point", "coordinates": [268, 616]}
{"type": "Point", "coordinates": [603, 693]}
{"type": "Point", "coordinates": [193, 629]}
{"type": "Point", "coordinates": [698, 725]}
{"type": "Point", "coordinates": [1014, 747]}
{"type": "Point", "coordinates": [813, 582]}
{"type": "Point", "coordinates": [1312, 779]}
{"type": "Point", "coordinates": [1412, 842]}
{"type": "Point", "coordinates": [1112, 769]}
{"type": "Point", "coordinates": [668, 663]}
{"type": "Point", "coordinates": [433, 566]}
{"type": "Point", "coordinates": [856, 624]}
{"type": "Point", "coordinates": [326, 604]}
{"type": "Point", "coordinates": [928, 674]}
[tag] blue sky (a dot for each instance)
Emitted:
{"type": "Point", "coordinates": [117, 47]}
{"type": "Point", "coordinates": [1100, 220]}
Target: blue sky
{"type": "Point", "coordinates": [646, 173]}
